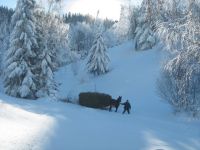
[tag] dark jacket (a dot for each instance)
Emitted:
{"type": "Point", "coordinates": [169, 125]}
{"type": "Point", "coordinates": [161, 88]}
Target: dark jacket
{"type": "Point", "coordinates": [127, 105]}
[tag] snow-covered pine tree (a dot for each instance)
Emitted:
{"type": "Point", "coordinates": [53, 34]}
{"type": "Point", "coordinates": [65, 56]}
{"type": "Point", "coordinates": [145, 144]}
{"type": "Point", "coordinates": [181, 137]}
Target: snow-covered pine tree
{"type": "Point", "coordinates": [123, 28]}
{"type": "Point", "coordinates": [20, 57]}
{"type": "Point", "coordinates": [80, 38]}
{"type": "Point", "coordinates": [98, 59]}
{"type": "Point", "coordinates": [56, 30]}
{"type": "Point", "coordinates": [44, 66]}
{"type": "Point", "coordinates": [145, 38]}
{"type": "Point", "coordinates": [56, 36]}
{"type": "Point", "coordinates": [180, 81]}
{"type": "Point", "coordinates": [5, 20]}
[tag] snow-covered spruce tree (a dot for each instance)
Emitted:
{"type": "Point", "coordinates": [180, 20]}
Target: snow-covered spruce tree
{"type": "Point", "coordinates": [124, 28]}
{"type": "Point", "coordinates": [80, 38]}
{"type": "Point", "coordinates": [43, 68]}
{"type": "Point", "coordinates": [56, 36]}
{"type": "Point", "coordinates": [20, 57]}
{"type": "Point", "coordinates": [56, 32]}
{"type": "Point", "coordinates": [5, 20]}
{"type": "Point", "coordinates": [98, 59]}
{"type": "Point", "coordinates": [144, 35]}
{"type": "Point", "coordinates": [180, 81]}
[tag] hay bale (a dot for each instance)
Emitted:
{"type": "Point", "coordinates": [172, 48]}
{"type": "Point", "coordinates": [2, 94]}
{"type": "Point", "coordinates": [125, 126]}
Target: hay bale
{"type": "Point", "coordinates": [94, 99]}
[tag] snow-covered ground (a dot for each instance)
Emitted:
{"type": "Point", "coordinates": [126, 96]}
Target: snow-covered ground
{"type": "Point", "coordinates": [50, 125]}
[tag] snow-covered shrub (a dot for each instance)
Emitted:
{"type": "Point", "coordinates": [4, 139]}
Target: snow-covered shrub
{"type": "Point", "coordinates": [110, 38]}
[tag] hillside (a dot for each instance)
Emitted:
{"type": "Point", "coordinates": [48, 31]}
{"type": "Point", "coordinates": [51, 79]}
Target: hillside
{"type": "Point", "coordinates": [48, 125]}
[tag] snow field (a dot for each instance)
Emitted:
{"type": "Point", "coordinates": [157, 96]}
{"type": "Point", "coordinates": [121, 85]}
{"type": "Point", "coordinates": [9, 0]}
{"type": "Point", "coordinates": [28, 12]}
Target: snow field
{"type": "Point", "coordinates": [51, 125]}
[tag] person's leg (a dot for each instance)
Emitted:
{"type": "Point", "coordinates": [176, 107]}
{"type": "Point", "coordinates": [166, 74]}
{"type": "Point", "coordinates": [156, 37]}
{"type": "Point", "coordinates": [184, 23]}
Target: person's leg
{"type": "Point", "coordinates": [124, 111]}
{"type": "Point", "coordinates": [116, 108]}
{"type": "Point", "coordinates": [128, 111]}
{"type": "Point", "coordinates": [110, 109]}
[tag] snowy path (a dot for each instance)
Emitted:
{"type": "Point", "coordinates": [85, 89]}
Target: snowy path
{"type": "Point", "coordinates": [151, 125]}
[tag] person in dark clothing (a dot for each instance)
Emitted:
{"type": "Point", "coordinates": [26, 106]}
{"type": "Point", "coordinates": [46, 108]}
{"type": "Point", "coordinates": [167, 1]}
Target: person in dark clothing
{"type": "Point", "coordinates": [127, 107]}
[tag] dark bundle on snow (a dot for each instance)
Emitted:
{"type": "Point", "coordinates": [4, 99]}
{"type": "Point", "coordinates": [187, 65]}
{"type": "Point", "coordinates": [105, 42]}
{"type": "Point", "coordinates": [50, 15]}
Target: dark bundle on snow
{"type": "Point", "coordinates": [94, 99]}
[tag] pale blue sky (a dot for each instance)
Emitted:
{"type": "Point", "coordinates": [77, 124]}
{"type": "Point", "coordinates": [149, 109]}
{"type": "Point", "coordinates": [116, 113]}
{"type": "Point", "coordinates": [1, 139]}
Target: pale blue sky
{"type": "Point", "coordinates": [108, 8]}
{"type": "Point", "coordinates": [8, 3]}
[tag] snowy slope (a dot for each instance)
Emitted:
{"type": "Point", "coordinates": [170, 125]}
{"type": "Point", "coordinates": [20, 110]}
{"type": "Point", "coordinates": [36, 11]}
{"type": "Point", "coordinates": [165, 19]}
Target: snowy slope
{"type": "Point", "coordinates": [50, 125]}
{"type": "Point", "coordinates": [21, 129]}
